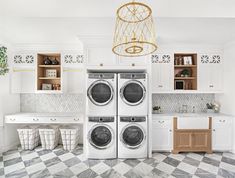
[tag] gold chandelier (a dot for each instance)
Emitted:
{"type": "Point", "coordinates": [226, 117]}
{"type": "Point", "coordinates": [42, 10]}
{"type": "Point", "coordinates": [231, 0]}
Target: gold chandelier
{"type": "Point", "coordinates": [134, 32]}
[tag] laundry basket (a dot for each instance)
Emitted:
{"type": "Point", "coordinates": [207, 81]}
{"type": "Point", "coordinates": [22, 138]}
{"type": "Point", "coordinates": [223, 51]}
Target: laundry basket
{"type": "Point", "coordinates": [69, 137]}
{"type": "Point", "coordinates": [49, 137]}
{"type": "Point", "coordinates": [29, 137]}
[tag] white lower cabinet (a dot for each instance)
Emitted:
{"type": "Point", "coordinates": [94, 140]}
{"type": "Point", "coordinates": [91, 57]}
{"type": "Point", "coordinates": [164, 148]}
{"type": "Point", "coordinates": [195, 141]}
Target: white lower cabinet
{"type": "Point", "coordinates": [162, 134]}
{"type": "Point", "coordinates": [222, 131]}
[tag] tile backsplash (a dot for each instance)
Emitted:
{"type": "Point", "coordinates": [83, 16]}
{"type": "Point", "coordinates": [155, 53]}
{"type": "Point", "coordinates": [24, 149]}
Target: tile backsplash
{"type": "Point", "coordinates": [76, 102]}
{"type": "Point", "coordinates": [52, 103]}
{"type": "Point", "coordinates": [173, 102]}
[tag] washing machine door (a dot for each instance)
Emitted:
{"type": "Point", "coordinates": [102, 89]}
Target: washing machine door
{"type": "Point", "coordinates": [133, 92]}
{"type": "Point", "coordinates": [100, 92]}
{"type": "Point", "coordinates": [133, 136]}
{"type": "Point", "coordinates": [101, 136]}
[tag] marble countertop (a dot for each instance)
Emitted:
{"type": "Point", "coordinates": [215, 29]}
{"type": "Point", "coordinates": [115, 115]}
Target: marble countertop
{"type": "Point", "coordinates": [193, 114]}
{"type": "Point", "coordinates": [49, 114]}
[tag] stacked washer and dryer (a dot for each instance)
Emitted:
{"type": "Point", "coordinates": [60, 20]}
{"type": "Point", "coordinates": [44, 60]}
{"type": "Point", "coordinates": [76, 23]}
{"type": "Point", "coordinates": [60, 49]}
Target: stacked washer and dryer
{"type": "Point", "coordinates": [117, 110]}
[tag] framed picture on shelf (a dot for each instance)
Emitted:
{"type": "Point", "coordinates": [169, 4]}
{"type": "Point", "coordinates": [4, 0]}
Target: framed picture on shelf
{"type": "Point", "coordinates": [46, 86]}
{"type": "Point", "coordinates": [188, 60]}
{"type": "Point", "coordinates": [179, 84]}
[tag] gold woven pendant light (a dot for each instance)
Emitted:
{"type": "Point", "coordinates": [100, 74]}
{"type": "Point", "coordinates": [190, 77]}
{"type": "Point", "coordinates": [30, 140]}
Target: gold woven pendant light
{"type": "Point", "coordinates": [134, 32]}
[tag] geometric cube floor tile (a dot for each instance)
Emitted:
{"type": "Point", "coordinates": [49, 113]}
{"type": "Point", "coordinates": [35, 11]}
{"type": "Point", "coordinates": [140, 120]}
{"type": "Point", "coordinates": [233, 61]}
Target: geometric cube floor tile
{"type": "Point", "coordinates": [40, 163]}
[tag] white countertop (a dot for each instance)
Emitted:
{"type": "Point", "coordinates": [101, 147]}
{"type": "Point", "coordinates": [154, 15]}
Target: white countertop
{"type": "Point", "coordinates": [193, 114]}
{"type": "Point", "coordinates": [48, 118]}
{"type": "Point", "coordinates": [49, 114]}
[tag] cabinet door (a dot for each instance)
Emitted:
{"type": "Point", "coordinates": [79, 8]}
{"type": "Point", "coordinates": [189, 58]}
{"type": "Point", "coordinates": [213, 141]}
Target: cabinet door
{"type": "Point", "coordinates": [133, 61]}
{"type": "Point", "coordinates": [73, 80]}
{"type": "Point", "coordinates": [72, 59]}
{"type": "Point", "coordinates": [222, 134]}
{"type": "Point", "coordinates": [162, 73]}
{"type": "Point", "coordinates": [162, 135]}
{"type": "Point", "coordinates": [23, 81]}
{"type": "Point", "coordinates": [101, 57]}
{"type": "Point", "coordinates": [210, 72]}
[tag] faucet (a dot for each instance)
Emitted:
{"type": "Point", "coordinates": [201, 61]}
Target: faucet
{"type": "Point", "coordinates": [184, 108]}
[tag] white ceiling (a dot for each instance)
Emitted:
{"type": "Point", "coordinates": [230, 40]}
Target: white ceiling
{"type": "Point", "coordinates": [107, 8]}
{"type": "Point", "coordinates": [62, 21]}
{"type": "Point", "coordinates": [216, 31]}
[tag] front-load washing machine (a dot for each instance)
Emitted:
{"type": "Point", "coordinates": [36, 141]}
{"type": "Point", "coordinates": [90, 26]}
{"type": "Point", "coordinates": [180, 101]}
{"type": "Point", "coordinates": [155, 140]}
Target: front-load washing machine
{"type": "Point", "coordinates": [101, 141]}
{"type": "Point", "coordinates": [101, 94]}
{"type": "Point", "coordinates": [132, 94]}
{"type": "Point", "coordinates": [132, 137]}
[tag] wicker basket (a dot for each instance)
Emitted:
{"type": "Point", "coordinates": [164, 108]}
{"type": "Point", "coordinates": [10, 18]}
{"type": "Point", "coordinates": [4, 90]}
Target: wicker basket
{"type": "Point", "coordinates": [69, 137]}
{"type": "Point", "coordinates": [29, 137]}
{"type": "Point", "coordinates": [49, 137]}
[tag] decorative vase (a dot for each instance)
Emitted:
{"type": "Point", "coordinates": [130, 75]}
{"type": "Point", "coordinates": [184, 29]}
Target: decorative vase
{"type": "Point", "coordinates": [156, 111]}
{"type": "Point", "coordinates": [54, 62]}
{"type": "Point", "coordinates": [47, 61]}
{"type": "Point", "coordinates": [210, 110]}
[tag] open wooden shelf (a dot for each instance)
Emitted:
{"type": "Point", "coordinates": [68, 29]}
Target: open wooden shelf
{"type": "Point", "coordinates": [54, 82]}
{"type": "Point", "coordinates": [185, 78]}
{"type": "Point", "coordinates": [49, 78]}
{"type": "Point", "coordinates": [49, 66]}
{"type": "Point", "coordinates": [185, 63]}
{"type": "Point", "coordinates": [185, 66]}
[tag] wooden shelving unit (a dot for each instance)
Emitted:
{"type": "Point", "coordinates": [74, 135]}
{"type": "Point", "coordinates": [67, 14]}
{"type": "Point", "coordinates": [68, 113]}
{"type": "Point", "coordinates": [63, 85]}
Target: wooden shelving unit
{"type": "Point", "coordinates": [185, 71]}
{"type": "Point", "coordinates": [54, 82]}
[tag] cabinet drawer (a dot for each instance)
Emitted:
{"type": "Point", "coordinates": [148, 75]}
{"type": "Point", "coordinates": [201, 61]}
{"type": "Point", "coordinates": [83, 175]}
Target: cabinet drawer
{"type": "Point", "coordinates": [221, 122]}
{"type": "Point", "coordinates": [21, 120]}
{"type": "Point", "coordinates": [162, 123]}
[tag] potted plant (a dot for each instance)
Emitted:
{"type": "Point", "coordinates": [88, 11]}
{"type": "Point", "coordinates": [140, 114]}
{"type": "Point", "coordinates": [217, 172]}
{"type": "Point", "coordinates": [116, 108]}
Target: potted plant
{"type": "Point", "coordinates": [3, 61]}
{"type": "Point", "coordinates": [210, 107]}
{"type": "Point", "coordinates": [157, 110]}
{"type": "Point", "coordinates": [185, 73]}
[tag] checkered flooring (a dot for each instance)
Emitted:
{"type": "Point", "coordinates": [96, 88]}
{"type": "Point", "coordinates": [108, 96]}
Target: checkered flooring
{"type": "Point", "coordinates": [62, 164]}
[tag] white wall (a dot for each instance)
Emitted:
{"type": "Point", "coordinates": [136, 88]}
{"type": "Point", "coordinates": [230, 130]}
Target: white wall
{"type": "Point", "coordinates": [227, 99]}
{"type": "Point", "coordinates": [9, 103]}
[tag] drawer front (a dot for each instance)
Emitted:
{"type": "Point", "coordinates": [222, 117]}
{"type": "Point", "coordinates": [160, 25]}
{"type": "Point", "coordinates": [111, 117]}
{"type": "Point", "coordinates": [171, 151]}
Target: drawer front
{"type": "Point", "coordinates": [21, 120]}
{"type": "Point", "coordinates": [162, 123]}
{"type": "Point", "coordinates": [49, 120]}
{"type": "Point", "coordinates": [221, 122]}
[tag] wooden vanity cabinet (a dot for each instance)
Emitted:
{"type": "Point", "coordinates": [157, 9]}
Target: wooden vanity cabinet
{"type": "Point", "coordinates": [192, 140]}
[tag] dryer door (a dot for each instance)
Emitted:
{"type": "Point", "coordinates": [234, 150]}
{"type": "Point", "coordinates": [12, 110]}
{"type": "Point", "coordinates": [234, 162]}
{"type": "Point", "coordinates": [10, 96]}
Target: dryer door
{"type": "Point", "coordinates": [133, 92]}
{"type": "Point", "coordinates": [100, 92]}
{"type": "Point", "coordinates": [101, 136]}
{"type": "Point", "coordinates": [133, 136]}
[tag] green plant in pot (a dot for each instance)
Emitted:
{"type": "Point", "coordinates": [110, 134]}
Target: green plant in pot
{"type": "Point", "coordinates": [157, 109]}
{"type": "Point", "coordinates": [3, 61]}
{"type": "Point", "coordinates": [185, 73]}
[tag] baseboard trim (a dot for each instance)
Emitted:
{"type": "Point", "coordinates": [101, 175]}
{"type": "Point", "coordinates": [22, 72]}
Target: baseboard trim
{"type": "Point", "coordinates": [9, 147]}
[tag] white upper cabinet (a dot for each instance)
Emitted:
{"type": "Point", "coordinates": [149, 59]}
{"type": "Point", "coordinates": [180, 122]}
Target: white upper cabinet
{"type": "Point", "coordinates": [23, 80]}
{"type": "Point", "coordinates": [102, 56]}
{"type": "Point", "coordinates": [73, 80]}
{"type": "Point", "coordinates": [162, 73]}
{"type": "Point", "coordinates": [72, 59]}
{"type": "Point", "coordinates": [73, 72]}
{"type": "Point", "coordinates": [210, 72]}
{"type": "Point", "coordinates": [133, 61]}
{"type": "Point", "coordinates": [23, 72]}
{"type": "Point", "coordinates": [222, 131]}
{"type": "Point", "coordinates": [24, 59]}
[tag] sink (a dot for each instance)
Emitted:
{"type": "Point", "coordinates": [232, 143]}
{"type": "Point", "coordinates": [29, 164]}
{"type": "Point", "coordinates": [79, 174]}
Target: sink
{"type": "Point", "coordinates": [188, 122]}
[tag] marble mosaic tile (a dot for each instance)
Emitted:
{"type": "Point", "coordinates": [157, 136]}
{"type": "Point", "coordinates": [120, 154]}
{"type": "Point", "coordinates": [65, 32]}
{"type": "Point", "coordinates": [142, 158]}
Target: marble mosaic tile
{"type": "Point", "coordinates": [173, 102]}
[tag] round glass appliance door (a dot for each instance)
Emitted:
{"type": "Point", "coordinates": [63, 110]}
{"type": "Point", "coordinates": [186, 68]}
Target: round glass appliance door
{"type": "Point", "coordinates": [132, 136]}
{"type": "Point", "coordinates": [101, 136]}
{"type": "Point", "coordinates": [100, 93]}
{"type": "Point", "coordinates": [133, 93]}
